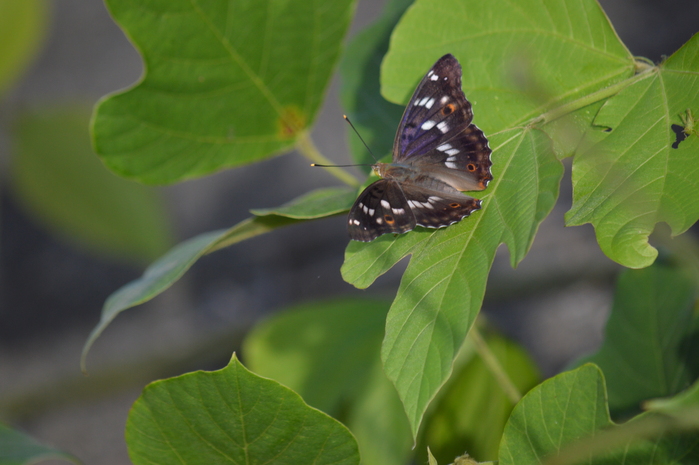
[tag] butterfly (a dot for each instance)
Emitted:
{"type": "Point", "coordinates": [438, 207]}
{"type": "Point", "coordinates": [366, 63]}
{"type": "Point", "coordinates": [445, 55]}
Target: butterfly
{"type": "Point", "coordinates": [437, 153]}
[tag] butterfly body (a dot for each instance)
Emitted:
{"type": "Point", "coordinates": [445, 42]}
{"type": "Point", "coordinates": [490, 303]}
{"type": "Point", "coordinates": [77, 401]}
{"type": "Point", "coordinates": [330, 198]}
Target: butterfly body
{"type": "Point", "coordinates": [437, 153]}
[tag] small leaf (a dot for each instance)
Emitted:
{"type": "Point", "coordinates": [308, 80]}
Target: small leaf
{"type": "Point", "coordinates": [328, 352]}
{"type": "Point", "coordinates": [443, 287]}
{"type": "Point", "coordinates": [232, 416]}
{"type": "Point", "coordinates": [19, 449]}
{"type": "Point", "coordinates": [632, 178]}
{"type": "Point", "coordinates": [227, 82]}
{"type": "Point", "coordinates": [651, 345]}
{"type": "Point", "coordinates": [23, 28]}
{"type": "Point", "coordinates": [61, 182]}
{"type": "Point", "coordinates": [165, 271]}
{"type": "Point", "coordinates": [317, 204]}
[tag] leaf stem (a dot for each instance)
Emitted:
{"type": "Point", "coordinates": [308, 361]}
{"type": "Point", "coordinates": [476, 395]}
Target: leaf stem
{"type": "Point", "coordinates": [493, 364]}
{"type": "Point", "coordinates": [307, 148]}
{"type": "Point", "coordinates": [591, 98]}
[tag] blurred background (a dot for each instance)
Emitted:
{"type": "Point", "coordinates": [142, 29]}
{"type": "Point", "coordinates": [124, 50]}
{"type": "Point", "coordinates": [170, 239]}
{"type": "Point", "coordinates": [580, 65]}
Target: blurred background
{"type": "Point", "coordinates": [71, 233]}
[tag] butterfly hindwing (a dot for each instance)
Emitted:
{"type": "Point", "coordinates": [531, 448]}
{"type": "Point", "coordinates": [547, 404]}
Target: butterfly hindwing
{"type": "Point", "coordinates": [380, 209]}
{"type": "Point", "coordinates": [434, 209]}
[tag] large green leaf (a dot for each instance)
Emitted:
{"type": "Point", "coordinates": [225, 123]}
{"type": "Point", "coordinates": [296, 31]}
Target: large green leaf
{"type": "Point", "coordinates": [328, 352]}
{"type": "Point", "coordinates": [22, 30]}
{"type": "Point", "coordinates": [19, 449]}
{"type": "Point", "coordinates": [232, 416]}
{"type": "Point", "coordinates": [651, 345]}
{"type": "Point", "coordinates": [633, 178]}
{"type": "Point", "coordinates": [571, 409]}
{"type": "Point", "coordinates": [227, 82]}
{"type": "Point", "coordinates": [443, 287]}
{"type": "Point", "coordinates": [375, 118]}
{"type": "Point", "coordinates": [58, 179]}
{"type": "Point", "coordinates": [472, 409]}
{"type": "Point", "coordinates": [165, 271]}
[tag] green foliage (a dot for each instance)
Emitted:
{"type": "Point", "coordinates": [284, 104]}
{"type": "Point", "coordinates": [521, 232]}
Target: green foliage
{"type": "Point", "coordinates": [19, 449]}
{"type": "Point", "coordinates": [232, 416]}
{"type": "Point", "coordinates": [57, 177]}
{"type": "Point", "coordinates": [548, 79]}
{"type": "Point", "coordinates": [227, 83]}
{"type": "Point", "coordinates": [651, 345]}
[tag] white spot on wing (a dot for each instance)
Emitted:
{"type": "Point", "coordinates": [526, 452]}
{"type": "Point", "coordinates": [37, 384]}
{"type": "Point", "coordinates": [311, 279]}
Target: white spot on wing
{"type": "Point", "coordinates": [429, 124]}
{"type": "Point", "coordinates": [366, 210]}
{"type": "Point", "coordinates": [444, 99]}
{"type": "Point", "coordinates": [371, 212]}
{"type": "Point", "coordinates": [434, 77]}
{"type": "Point", "coordinates": [429, 103]}
{"type": "Point", "coordinates": [433, 198]}
{"type": "Point", "coordinates": [423, 101]}
{"type": "Point", "coordinates": [379, 220]}
{"type": "Point", "coordinates": [444, 147]}
{"type": "Point", "coordinates": [385, 204]}
{"type": "Point", "coordinates": [450, 164]}
{"type": "Point", "coordinates": [398, 211]}
{"type": "Point", "coordinates": [444, 127]}
{"type": "Point", "coordinates": [452, 152]}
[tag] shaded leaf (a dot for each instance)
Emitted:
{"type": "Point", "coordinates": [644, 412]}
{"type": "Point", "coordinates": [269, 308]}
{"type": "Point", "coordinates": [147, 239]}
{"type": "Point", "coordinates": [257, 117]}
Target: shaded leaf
{"type": "Point", "coordinates": [232, 416]}
{"type": "Point", "coordinates": [19, 449]}
{"type": "Point", "coordinates": [632, 178]}
{"type": "Point", "coordinates": [328, 352]}
{"type": "Point", "coordinates": [227, 82]}
{"type": "Point", "coordinates": [375, 118]}
{"type": "Point", "coordinates": [58, 178]}
{"type": "Point", "coordinates": [472, 409]}
{"type": "Point", "coordinates": [651, 345]}
{"type": "Point", "coordinates": [442, 288]}
{"type": "Point", "coordinates": [316, 204]}
{"type": "Point", "coordinates": [22, 30]}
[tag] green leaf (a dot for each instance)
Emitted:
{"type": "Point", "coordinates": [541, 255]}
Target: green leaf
{"type": "Point", "coordinates": [472, 409]}
{"type": "Point", "coordinates": [517, 61]}
{"type": "Point", "coordinates": [165, 271]}
{"type": "Point", "coordinates": [19, 449]}
{"type": "Point", "coordinates": [633, 178]}
{"type": "Point", "coordinates": [375, 118]}
{"type": "Point", "coordinates": [22, 31]}
{"type": "Point", "coordinates": [227, 82]}
{"type": "Point", "coordinates": [651, 345]}
{"type": "Point", "coordinates": [60, 181]}
{"type": "Point", "coordinates": [232, 416]}
{"type": "Point", "coordinates": [568, 414]}
{"type": "Point", "coordinates": [679, 405]}
{"type": "Point", "coordinates": [328, 352]}
{"type": "Point", "coordinates": [443, 287]}
{"type": "Point", "coordinates": [316, 204]}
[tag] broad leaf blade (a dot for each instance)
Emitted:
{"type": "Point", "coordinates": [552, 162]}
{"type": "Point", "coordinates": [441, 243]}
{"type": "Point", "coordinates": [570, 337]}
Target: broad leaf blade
{"type": "Point", "coordinates": [443, 287]}
{"type": "Point", "coordinates": [226, 83]}
{"type": "Point", "coordinates": [633, 178]}
{"type": "Point", "coordinates": [232, 416]}
{"type": "Point", "coordinates": [651, 345]}
{"type": "Point", "coordinates": [165, 271]}
{"type": "Point", "coordinates": [518, 59]}
{"type": "Point", "coordinates": [59, 180]}
{"type": "Point", "coordinates": [328, 352]}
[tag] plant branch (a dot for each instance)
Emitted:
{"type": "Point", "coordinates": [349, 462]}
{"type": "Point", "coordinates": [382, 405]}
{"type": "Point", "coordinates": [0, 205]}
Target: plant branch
{"type": "Point", "coordinates": [308, 149]}
{"type": "Point", "coordinates": [493, 364]}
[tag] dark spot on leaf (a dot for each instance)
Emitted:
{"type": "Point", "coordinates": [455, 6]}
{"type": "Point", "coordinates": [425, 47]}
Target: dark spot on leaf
{"type": "Point", "coordinates": [680, 135]}
{"type": "Point", "coordinates": [607, 129]}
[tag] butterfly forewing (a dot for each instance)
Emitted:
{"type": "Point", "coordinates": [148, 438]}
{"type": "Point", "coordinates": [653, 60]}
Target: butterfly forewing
{"type": "Point", "coordinates": [437, 112]}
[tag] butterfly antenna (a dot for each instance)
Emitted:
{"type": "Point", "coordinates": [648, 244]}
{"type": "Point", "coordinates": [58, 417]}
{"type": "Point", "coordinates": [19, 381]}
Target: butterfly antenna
{"type": "Point", "coordinates": [360, 137]}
